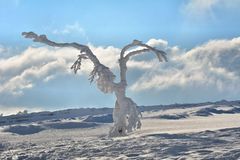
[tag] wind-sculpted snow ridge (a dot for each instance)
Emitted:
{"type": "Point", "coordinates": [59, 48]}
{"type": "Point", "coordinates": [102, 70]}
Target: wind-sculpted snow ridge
{"type": "Point", "coordinates": [234, 107]}
{"type": "Point", "coordinates": [188, 105]}
{"type": "Point", "coordinates": [36, 128]}
{"type": "Point", "coordinates": [55, 115]}
{"type": "Point", "coordinates": [205, 111]}
{"type": "Point", "coordinates": [172, 116]}
{"type": "Point", "coordinates": [106, 118]}
{"type": "Point", "coordinates": [24, 130]}
{"type": "Point", "coordinates": [215, 110]}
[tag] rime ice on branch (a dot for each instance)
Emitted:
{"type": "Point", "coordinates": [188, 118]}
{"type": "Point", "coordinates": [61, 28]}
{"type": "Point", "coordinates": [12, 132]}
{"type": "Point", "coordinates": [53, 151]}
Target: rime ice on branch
{"type": "Point", "coordinates": [125, 114]}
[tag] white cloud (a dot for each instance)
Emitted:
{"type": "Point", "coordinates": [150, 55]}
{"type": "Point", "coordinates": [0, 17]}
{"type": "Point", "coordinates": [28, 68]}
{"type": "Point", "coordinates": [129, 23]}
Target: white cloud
{"type": "Point", "coordinates": [74, 28]}
{"type": "Point", "coordinates": [70, 28]}
{"type": "Point", "coordinates": [107, 55]}
{"type": "Point", "coordinates": [6, 51]}
{"type": "Point", "coordinates": [25, 70]}
{"type": "Point", "coordinates": [34, 64]}
{"type": "Point", "coordinates": [215, 63]}
{"type": "Point", "coordinates": [2, 49]}
{"type": "Point", "coordinates": [205, 9]}
{"type": "Point", "coordinates": [199, 7]}
{"type": "Point", "coordinates": [159, 43]}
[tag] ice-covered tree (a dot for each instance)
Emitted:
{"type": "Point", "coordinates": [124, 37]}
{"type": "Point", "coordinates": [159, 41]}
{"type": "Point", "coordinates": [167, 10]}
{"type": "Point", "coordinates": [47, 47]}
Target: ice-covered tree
{"type": "Point", "coordinates": [125, 115]}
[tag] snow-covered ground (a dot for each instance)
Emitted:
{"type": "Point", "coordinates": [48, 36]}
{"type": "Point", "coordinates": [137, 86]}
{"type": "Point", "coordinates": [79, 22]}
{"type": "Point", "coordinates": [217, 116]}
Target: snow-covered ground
{"type": "Point", "coordinates": [193, 131]}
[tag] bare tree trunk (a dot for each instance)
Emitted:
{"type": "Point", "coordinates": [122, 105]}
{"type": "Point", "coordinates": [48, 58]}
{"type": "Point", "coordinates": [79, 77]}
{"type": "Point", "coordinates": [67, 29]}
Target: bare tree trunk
{"type": "Point", "coordinates": [125, 114]}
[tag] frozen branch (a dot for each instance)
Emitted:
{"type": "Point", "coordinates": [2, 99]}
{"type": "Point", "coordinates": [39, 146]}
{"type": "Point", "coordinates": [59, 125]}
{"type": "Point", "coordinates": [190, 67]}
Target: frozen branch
{"type": "Point", "coordinates": [100, 72]}
{"type": "Point", "coordinates": [82, 48]}
{"type": "Point", "coordinates": [161, 55]}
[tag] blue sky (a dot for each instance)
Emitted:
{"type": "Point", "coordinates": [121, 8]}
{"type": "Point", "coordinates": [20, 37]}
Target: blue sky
{"type": "Point", "coordinates": [186, 29]}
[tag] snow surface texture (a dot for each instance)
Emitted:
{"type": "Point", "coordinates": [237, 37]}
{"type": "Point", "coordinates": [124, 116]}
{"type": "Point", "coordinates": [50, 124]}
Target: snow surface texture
{"type": "Point", "coordinates": [192, 131]}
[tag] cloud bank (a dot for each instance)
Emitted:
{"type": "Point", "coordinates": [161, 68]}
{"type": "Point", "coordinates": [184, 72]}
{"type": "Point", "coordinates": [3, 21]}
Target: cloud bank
{"type": "Point", "coordinates": [214, 65]}
{"type": "Point", "coordinates": [205, 9]}
{"type": "Point", "coordinates": [25, 70]}
{"type": "Point", "coordinates": [74, 29]}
